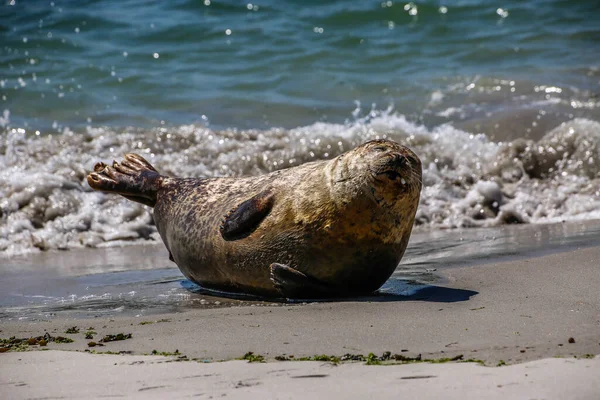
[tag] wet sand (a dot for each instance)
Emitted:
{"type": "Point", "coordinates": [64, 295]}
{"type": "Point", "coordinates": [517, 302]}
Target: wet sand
{"type": "Point", "coordinates": [509, 312]}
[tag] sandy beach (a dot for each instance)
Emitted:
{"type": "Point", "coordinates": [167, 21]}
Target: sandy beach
{"type": "Point", "coordinates": [532, 314]}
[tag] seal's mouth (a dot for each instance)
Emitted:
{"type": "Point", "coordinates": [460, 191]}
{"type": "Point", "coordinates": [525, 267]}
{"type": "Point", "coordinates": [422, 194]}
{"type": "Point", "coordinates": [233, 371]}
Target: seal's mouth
{"type": "Point", "coordinates": [392, 175]}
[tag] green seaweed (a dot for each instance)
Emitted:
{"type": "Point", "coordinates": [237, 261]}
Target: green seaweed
{"type": "Point", "coordinates": [72, 330]}
{"type": "Point", "coordinates": [23, 344]}
{"type": "Point", "coordinates": [473, 360]}
{"type": "Point", "coordinates": [117, 337]}
{"type": "Point", "coordinates": [105, 352]}
{"type": "Point", "coordinates": [166, 353]}
{"type": "Point", "coordinates": [372, 359]}
{"type": "Point", "coordinates": [251, 357]}
{"type": "Point", "coordinates": [387, 358]}
{"type": "Point", "coordinates": [62, 339]}
{"type": "Point", "coordinates": [445, 359]}
{"type": "Point", "coordinates": [157, 322]}
{"type": "Point", "coordinates": [324, 357]}
{"type": "Point", "coordinates": [317, 357]}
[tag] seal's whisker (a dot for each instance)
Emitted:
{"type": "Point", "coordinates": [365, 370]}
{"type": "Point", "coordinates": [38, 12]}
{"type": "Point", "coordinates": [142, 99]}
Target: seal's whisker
{"type": "Point", "coordinates": [414, 176]}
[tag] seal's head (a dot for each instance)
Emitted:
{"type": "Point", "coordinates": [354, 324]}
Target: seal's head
{"type": "Point", "coordinates": [387, 172]}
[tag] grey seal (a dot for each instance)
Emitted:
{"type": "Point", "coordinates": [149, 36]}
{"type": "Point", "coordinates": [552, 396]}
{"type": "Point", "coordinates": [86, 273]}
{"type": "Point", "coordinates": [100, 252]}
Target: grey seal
{"type": "Point", "coordinates": [327, 228]}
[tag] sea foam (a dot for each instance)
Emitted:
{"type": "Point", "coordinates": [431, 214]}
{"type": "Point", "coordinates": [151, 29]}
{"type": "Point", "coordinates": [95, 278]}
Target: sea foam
{"type": "Point", "coordinates": [469, 180]}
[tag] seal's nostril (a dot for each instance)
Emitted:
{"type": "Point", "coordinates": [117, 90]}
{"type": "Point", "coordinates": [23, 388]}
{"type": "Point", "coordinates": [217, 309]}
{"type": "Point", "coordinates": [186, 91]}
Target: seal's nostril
{"type": "Point", "coordinates": [399, 160]}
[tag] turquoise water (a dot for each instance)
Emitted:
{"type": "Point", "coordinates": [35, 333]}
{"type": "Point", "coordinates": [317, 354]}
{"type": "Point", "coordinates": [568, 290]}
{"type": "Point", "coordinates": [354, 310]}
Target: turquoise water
{"type": "Point", "coordinates": [292, 63]}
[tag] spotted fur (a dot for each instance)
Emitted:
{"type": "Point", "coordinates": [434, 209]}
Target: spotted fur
{"type": "Point", "coordinates": [343, 222]}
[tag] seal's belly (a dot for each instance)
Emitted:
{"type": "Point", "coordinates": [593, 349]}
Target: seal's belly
{"type": "Point", "coordinates": [192, 236]}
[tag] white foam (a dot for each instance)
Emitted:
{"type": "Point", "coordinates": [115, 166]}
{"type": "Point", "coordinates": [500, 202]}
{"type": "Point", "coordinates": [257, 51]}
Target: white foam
{"type": "Point", "coordinates": [468, 179]}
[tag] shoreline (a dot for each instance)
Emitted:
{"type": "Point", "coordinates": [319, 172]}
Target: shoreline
{"type": "Point", "coordinates": [489, 312]}
{"type": "Point", "coordinates": [535, 315]}
{"type": "Point", "coordinates": [140, 280]}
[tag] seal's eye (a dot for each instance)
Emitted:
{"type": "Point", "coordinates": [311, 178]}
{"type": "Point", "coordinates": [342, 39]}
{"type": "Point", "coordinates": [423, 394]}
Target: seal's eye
{"type": "Point", "coordinates": [380, 149]}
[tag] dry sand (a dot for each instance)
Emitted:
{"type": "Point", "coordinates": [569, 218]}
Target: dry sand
{"type": "Point", "coordinates": [512, 312]}
{"type": "Point", "coordinates": [53, 374]}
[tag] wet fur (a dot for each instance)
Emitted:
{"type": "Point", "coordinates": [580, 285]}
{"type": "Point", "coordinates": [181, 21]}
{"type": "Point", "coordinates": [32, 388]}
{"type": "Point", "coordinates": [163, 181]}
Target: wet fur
{"type": "Point", "coordinates": [343, 222]}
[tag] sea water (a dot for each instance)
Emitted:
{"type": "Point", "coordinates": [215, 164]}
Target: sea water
{"type": "Point", "coordinates": [501, 100]}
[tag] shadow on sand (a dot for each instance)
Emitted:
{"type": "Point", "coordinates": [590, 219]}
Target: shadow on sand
{"type": "Point", "coordinates": [392, 290]}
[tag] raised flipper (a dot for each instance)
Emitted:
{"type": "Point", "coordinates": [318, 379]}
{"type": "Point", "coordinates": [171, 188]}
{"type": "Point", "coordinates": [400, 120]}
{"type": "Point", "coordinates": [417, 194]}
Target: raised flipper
{"type": "Point", "coordinates": [246, 217]}
{"type": "Point", "coordinates": [293, 284]}
{"type": "Point", "coordinates": [134, 178]}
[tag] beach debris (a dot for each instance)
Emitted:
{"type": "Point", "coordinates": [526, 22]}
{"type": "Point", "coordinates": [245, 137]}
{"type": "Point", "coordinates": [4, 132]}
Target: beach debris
{"type": "Point", "coordinates": [152, 322]}
{"type": "Point", "coordinates": [251, 357]}
{"type": "Point", "coordinates": [352, 357]}
{"type": "Point", "coordinates": [21, 344]}
{"type": "Point", "coordinates": [62, 339]}
{"type": "Point", "coordinates": [571, 340]}
{"type": "Point", "coordinates": [72, 330]}
{"type": "Point", "coordinates": [114, 338]}
{"type": "Point", "coordinates": [166, 353]}
{"type": "Point", "coordinates": [371, 359]}
{"type": "Point", "coordinates": [90, 334]}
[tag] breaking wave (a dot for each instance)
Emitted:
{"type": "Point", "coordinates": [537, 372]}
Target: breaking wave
{"type": "Point", "coordinates": [469, 180]}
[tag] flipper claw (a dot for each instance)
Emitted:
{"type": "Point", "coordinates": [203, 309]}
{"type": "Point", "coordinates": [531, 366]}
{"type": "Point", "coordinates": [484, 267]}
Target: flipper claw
{"type": "Point", "coordinates": [293, 284]}
{"type": "Point", "coordinates": [99, 167]}
{"type": "Point", "coordinates": [134, 179]}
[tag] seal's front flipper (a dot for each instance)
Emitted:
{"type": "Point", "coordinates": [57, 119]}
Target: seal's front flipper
{"type": "Point", "coordinates": [134, 178]}
{"type": "Point", "coordinates": [241, 221]}
{"type": "Point", "coordinates": [293, 284]}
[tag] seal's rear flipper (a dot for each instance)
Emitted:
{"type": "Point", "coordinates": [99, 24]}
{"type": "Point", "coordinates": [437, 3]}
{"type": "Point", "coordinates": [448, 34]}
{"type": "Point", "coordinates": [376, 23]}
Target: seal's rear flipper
{"type": "Point", "coordinates": [247, 216]}
{"type": "Point", "coordinates": [293, 284]}
{"type": "Point", "coordinates": [134, 178]}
